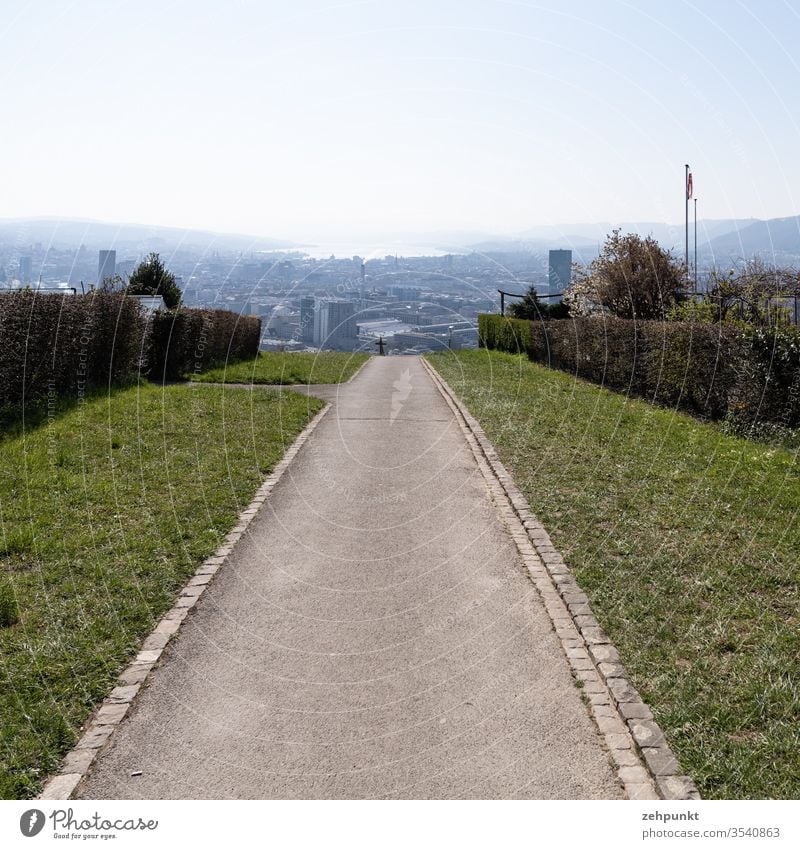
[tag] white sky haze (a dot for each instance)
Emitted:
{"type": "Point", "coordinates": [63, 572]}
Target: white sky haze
{"type": "Point", "coordinates": [317, 120]}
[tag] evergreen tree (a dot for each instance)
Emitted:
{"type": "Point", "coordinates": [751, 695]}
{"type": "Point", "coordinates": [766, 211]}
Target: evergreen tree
{"type": "Point", "coordinates": [151, 277]}
{"type": "Point", "coordinates": [529, 307]}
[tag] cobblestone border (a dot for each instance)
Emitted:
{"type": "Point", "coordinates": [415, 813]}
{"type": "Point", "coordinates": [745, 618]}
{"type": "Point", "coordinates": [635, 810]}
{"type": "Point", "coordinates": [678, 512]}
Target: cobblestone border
{"type": "Point", "coordinates": [645, 764]}
{"type": "Point", "coordinates": [101, 727]}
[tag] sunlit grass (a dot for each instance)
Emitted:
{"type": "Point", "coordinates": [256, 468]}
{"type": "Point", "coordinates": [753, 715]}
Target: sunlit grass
{"type": "Point", "coordinates": [687, 542]}
{"type": "Point", "coordinates": [288, 368]}
{"type": "Point", "coordinates": [105, 509]}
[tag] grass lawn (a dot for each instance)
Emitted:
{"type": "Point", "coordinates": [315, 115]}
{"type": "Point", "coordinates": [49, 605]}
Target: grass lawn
{"type": "Point", "coordinates": [687, 542]}
{"type": "Point", "coordinates": [285, 368]}
{"type": "Point", "coordinates": [105, 509]}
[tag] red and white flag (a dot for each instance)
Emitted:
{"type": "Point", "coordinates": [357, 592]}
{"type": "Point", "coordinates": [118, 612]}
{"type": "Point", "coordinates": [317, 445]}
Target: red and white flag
{"type": "Point", "coordinates": [689, 186]}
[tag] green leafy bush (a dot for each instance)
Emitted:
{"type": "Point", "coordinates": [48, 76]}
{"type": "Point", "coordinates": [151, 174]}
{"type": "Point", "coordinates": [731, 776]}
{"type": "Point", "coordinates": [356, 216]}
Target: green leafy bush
{"type": "Point", "coordinates": [767, 386]}
{"type": "Point", "coordinates": [501, 333]}
{"type": "Point", "coordinates": [695, 311]}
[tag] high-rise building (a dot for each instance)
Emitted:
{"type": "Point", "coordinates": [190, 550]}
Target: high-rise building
{"type": "Point", "coordinates": [106, 266]}
{"type": "Point", "coordinates": [25, 269]}
{"type": "Point", "coordinates": [341, 322]}
{"type": "Point", "coordinates": [560, 272]}
{"type": "Point", "coordinates": [335, 324]}
{"type": "Point", "coordinates": [307, 321]}
{"type": "Point", "coordinates": [320, 335]}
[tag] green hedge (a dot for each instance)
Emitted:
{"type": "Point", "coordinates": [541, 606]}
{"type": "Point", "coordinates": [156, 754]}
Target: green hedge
{"type": "Point", "coordinates": [62, 346]}
{"type": "Point", "coordinates": [185, 342]}
{"type": "Point", "coordinates": [750, 375]}
{"type": "Point", "coordinates": [690, 365]}
{"type": "Point", "coordinates": [501, 333]}
{"type": "Point", "coordinates": [767, 389]}
{"type": "Point", "coordinates": [55, 345]}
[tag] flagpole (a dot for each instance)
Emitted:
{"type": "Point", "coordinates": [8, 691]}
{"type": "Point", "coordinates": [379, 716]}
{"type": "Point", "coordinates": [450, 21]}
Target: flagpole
{"type": "Point", "coordinates": [686, 202]}
{"type": "Point", "coordinates": [695, 246]}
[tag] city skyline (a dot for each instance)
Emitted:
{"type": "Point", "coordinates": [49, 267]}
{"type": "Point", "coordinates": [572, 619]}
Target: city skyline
{"type": "Point", "coordinates": [327, 122]}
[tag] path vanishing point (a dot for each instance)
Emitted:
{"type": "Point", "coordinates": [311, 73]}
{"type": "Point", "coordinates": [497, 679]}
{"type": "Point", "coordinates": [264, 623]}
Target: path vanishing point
{"type": "Point", "coordinates": [374, 634]}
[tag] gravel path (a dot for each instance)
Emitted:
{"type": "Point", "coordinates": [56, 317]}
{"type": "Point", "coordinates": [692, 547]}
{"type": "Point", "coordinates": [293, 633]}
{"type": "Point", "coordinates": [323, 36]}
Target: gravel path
{"type": "Point", "coordinates": [372, 636]}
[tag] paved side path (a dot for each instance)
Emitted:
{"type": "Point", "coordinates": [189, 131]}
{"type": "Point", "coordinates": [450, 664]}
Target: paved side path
{"type": "Point", "coordinates": [373, 636]}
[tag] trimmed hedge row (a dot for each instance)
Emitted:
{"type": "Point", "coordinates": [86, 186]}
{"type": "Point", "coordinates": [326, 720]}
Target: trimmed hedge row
{"type": "Point", "coordinates": [186, 342]}
{"type": "Point", "coordinates": [767, 390]}
{"type": "Point", "coordinates": [63, 345]}
{"type": "Point", "coordinates": [54, 345]}
{"type": "Point", "coordinates": [713, 370]}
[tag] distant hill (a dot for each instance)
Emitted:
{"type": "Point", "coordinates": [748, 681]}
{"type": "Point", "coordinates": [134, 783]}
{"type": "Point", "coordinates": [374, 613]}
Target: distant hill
{"type": "Point", "coordinates": [774, 239]}
{"type": "Point", "coordinates": [589, 237]}
{"type": "Point", "coordinates": [667, 235]}
{"type": "Point", "coordinates": [582, 249]}
{"type": "Point", "coordinates": [595, 233]}
{"type": "Point", "coordinates": [710, 228]}
{"type": "Point", "coordinates": [719, 240]}
{"type": "Point", "coordinates": [69, 232]}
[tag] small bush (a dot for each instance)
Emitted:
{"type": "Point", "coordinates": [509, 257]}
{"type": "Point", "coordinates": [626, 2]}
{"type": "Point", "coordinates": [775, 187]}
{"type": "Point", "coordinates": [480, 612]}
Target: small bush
{"type": "Point", "coordinates": [515, 336]}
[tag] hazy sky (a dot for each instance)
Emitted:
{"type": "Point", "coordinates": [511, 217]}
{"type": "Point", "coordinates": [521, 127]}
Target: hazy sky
{"type": "Point", "coordinates": [308, 119]}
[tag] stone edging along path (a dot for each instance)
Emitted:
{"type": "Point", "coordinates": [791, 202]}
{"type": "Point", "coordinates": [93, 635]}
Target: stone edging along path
{"type": "Point", "coordinates": [112, 711]}
{"type": "Point", "coordinates": [645, 763]}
